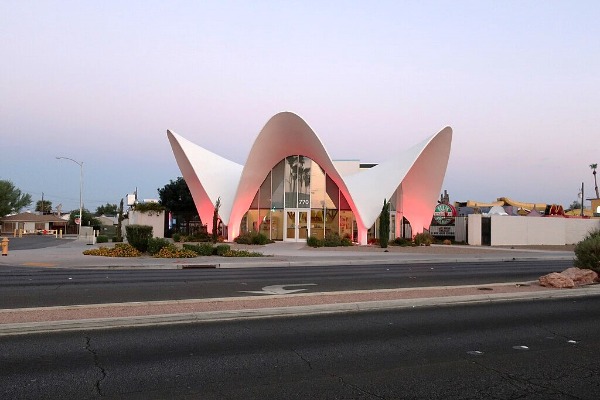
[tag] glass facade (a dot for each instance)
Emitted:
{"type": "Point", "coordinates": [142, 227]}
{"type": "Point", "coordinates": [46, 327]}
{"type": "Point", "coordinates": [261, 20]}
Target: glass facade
{"type": "Point", "coordinates": [298, 199]}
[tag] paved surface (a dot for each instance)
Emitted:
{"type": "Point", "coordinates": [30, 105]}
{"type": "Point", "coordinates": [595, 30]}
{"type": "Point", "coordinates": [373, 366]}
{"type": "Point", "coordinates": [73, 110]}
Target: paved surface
{"type": "Point", "coordinates": [69, 254]}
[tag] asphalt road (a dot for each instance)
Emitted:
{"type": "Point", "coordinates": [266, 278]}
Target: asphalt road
{"type": "Point", "coordinates": [530, 349]}
{"type": "Point", "coordinates": [37, 287]}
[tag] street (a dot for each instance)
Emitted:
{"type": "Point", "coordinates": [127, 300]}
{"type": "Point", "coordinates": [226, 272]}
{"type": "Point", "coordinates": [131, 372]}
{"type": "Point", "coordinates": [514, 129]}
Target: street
{"type": "Point", "coordinates": [39, 287]}
{"type": "Point", "coordinates": [527, 349]}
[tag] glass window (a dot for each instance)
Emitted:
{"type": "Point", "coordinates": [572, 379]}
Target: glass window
{"type": "Point", "coordinates": [278, 185]}
{"type": "Point", "coordinates": [303, 171]}
{"type": "Point", "coordinates": [317, 187]}
{"type": "Point", "coordinates": [332, 197]}
{"type": "Point", "coordinates": [291, 182]}
{"type": "Point", "coordinates": [265, 193]}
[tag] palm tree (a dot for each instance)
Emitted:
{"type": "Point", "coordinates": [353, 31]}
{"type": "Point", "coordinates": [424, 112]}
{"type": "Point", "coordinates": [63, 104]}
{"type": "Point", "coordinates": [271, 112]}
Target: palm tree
{"type": "Point", "coordinates": [593, 167]}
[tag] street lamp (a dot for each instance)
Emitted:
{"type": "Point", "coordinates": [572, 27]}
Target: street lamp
{"type": "Point", "coordinates": [80, 190]}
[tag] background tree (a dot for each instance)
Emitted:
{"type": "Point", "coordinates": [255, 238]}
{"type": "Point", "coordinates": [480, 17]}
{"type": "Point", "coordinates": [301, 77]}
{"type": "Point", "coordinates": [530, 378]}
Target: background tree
{"type": "Point", "coordinates": [384, 225]}
{"type": "Point", "coordinates": [11, 198]}
{"type": "Point", "coordinates": [107, 209]}
{"type": "Point", "coordinates": [575, 205]}
{"type": "Point", "coordinates": [47, 206]}
{"type": "Point", "coordinates": [87, 220]}
{"type": "Point", "coordinates": [177, 198]}
{"type": "Point", "coordinates": [215, 220]}
{"type": "Point", "coordinates": [119, 237]}
{"type": "Point", "coordinates": [593, 167]}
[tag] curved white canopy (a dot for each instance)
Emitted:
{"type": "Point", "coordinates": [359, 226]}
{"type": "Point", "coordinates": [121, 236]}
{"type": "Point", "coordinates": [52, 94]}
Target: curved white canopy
{"type": "Point", "coordinates": [415, 175]}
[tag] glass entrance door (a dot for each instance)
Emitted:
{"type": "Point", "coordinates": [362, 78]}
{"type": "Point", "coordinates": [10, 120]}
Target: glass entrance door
{"type": "Point", "coordinates": [297, 224]}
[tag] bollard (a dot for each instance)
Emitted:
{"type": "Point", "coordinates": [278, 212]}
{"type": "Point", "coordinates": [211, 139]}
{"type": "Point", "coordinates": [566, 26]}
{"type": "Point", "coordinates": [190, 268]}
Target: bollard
{"type": "Point", "coordinates": [60, 233]}
{"type": "Point", "coordinates": [4, 246]}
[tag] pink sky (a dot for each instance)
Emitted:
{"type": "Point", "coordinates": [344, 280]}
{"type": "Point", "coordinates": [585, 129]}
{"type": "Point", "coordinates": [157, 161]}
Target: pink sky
{"type": "Point", "coordinates": [101, 83]}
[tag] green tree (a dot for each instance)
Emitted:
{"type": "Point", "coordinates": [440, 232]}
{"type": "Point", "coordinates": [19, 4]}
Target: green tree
{"type": "Point", "coordinates": [119, 237]}
{"type": "Point", "coordinates": [177, 198]}
{"type": "Point", "coordinates": [107, 209]}
{"type": "Point", "coordinates": [593, 167]}
{"type": "Point", "coordinates": [47, 206]}
{"type": "Point", "coordinates": [11, 198]}
{"type": "Point", "coordinates": [384, 225]}
{"type": "Point", "coordinates": [215, 220]}
{"type": "Point", "coordinates": [575, 205]}
{"type": "Point", "coordinates": [87, 220]}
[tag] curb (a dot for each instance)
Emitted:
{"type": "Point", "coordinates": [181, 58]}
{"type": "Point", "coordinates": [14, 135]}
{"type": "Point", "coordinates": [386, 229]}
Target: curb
{"type": "Point", "coordinates": [292, 311]}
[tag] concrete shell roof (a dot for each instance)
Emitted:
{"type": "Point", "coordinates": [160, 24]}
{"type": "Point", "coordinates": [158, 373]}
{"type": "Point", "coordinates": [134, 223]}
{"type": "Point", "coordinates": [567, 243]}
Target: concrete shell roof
{"type": "Point", "coordinates": [416, 173]}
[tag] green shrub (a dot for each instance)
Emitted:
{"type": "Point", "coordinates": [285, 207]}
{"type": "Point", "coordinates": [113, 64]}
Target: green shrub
{"type": "Point", "coordinates": [312, 241]}
{"type": "Point", "coordinates": [117, 239]}
{"type": "Point", "coordinates": [402, 242]}
{"type": "Point", "coordinates": [252, 238]}
{"type": "Point", "coordinates": [176, 237]}
{"type": "Point", "coordinates": [172, 251]}
{"type": "Point", "coordinates": [102, 239]}
{"type": "Point", "coordinates": [202, 249]}
{"type": "Point", "coordinates": [138, 236]}
{"type": "Point", "coordinates": [242, 253]}
{"type": "Point", "coordinates": [587, 252]}
{"type": "Point", "coordinates": [332, 240]}
{"type": "Point", "coordinates": [424, 239]}
{"type": "Point", "coordinates": [156, 244]}
{"type": "Point", "coordinates": [346, 242]}
{"type": "Point", "coordinates": [221, 249]}
{"type": "Point", "coordinates": [199, 237]}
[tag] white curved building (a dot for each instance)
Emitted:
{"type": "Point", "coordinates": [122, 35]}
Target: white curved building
{"type": "Point", "coordinates": [290, 188]}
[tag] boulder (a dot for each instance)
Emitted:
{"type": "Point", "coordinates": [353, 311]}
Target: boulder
{"type": "Point", "coordinates": [581, 276]}
{"type": "Point", "coordinates": [557, 280]}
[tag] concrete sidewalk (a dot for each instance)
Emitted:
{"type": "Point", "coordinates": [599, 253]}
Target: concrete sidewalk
{"type": "Point", "coordinates": [69, 254]}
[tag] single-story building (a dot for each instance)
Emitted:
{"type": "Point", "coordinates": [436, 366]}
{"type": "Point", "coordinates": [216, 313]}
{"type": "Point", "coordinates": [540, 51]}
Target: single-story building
{"type": "Point", "coordinates": [291, 189]}
{"type": "Point", "coordinates": [30, 223]}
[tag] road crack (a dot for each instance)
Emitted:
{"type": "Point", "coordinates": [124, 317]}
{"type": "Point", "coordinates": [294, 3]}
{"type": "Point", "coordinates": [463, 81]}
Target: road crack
{"type": "Point", "coordinates": [103, 374]}
{"type": "Point", "coordinates": [303, 359]}
{"type": "Point", "coordinates": [357, 388]}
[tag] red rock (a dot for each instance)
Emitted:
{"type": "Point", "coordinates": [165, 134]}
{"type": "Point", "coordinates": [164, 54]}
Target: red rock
{"type": "Point", "coordinates": [556, 280]}
{"type": "Point", "coordinates": [581, 276]}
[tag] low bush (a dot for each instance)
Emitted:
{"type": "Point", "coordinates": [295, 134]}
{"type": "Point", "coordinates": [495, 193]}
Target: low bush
{"type": "Point", "coordinates": [199, 237]}
{"type": "Point", "coordinates": [120, 250]}
{"type": "Point", "coordinates": [447, 242]}
{"type": "Point", "coordinates": [402, 242]}
{"type": "Point", "coordinates": [176, 237]}
{"type": "Point", "coordinates": [102, 239]}
{"type": "Point", "coordinates": [202, 249]}
{"type": "Point", "coordinates": [424, 239]}
{"type": "Point", "coordinates": [156, 244]}
{"type": "Point", "coordinates": [587, 252]}
{"type": "Point", "coordinates": [172, 251]}
{"type": "Point", "coordinates": [221, 249]}
{"type": "Point", "coordinates": [138, 236]}
{"type": "Point", "coordinates": [117, 239]}
{"type": "Point", "coordinates": [313, 241]}
{"type": "Point", "coordinates": [242, 253]}
{"type": "Point", "coordinates": [252, 238]}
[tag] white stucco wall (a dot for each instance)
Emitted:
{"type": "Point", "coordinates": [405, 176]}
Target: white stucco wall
{"type": "Point", "coordinates": [520, 231]}
{"type": "Point", "coordinates": [474, 229]}
{"type": "Point", "coordinates": [154, 219]}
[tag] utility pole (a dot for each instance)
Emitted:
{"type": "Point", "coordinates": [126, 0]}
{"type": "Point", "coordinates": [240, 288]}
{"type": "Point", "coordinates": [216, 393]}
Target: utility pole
{"type": "Point", "coordinates": [582, 199]}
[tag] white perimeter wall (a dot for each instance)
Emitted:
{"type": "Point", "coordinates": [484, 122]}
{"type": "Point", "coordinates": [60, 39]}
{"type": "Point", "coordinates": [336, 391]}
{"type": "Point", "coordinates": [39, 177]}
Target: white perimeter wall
{"type": "Point", "coordinates": [154, 219]}
{"type": "Point", "coordinates": [513, 230]}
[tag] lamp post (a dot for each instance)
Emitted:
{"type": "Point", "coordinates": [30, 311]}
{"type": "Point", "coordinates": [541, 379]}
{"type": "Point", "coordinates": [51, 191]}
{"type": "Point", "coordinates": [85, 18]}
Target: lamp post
{"type": "Point", "coordinates": [80, 190]}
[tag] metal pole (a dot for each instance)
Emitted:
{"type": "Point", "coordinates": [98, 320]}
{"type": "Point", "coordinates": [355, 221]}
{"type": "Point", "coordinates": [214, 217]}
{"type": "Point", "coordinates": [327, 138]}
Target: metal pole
{"type": "Point", "coordinates": [80, 190]}
{"type": "Point", "coordinates": [582, 199]}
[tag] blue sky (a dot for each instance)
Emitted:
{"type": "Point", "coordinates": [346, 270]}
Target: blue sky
{"type": "Point", "coordinates": [101, 82]}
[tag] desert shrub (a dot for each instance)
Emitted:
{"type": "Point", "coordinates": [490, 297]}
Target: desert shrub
{"type": "Point", "coordinates": [252, 238]}
{"type": "Point", "coordinates": [172, 251]}
{"type": "Point", "coordinates": [156, 244]}
{"type": "Point", "coordinates": [346, 242]}
{"type": "Point", "coordinates": [202, 249]}
{"type": "Point", "coordinates": [312, 241]}
{"type": "Point", "coordinates": [102, 239]}
{"type": "Point", "coordinates": [120, 250]}
{"type": "Point", "coordinates": [423, 239]}
{"type": "Point", "coordinates": [587, 252]}
{"type": "Point", "coordinates": [138, 236]}
{"type": "Point", "coordinates": [447, 242]}
{"type": "Point", "coordinates": [242, 253]}
{"type": "Point", "coordinates": [399, 241]}
{"type": "Point", "coordinates": [221, 249]}
{"type": "Point", "coordinates": [176, 237]}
